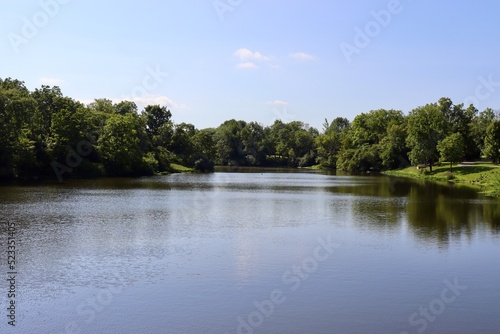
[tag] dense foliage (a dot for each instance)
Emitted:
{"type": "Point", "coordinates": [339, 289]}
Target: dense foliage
{"type": "Point", "coordinates": [46, 134]}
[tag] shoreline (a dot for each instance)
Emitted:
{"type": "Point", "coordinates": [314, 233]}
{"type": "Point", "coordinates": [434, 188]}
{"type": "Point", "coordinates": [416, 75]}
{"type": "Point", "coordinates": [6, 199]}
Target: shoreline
{"type": "Point", "coordinates": [484, 177]}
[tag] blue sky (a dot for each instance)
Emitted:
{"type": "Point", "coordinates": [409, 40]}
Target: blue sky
{"type": "Point", "coordinates": [210, 61]}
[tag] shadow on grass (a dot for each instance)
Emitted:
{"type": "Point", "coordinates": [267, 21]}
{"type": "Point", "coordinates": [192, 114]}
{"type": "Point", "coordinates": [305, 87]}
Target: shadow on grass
{"type": "Point", "coordinates": [466, 170]}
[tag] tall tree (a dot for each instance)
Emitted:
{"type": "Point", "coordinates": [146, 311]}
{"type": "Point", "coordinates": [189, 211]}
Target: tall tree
{"type": "Point", "coordinates": [294, 142]}
{"type": "Point", "coordinates": [365, 145]}
{"type": "Point", "coordinates": [427, 126]}
{"type": "Point", "coordinates": [126, 107]}
{"type": "Point", "coordinates": [459, 120]}
{"type": "Point", "coordinates": [253, 140]}
{"type": "Point", "coordinates": [452, 149]}
{"type": "Point", "coordinates": [17, 151]}
{"type": "Point", "coordinates": [339, 124]}
{"type": "Point", "coordinates": [160, 130]}
{"type": "Point", "coordinates": [472, 150]}
{"type": "Point", "coordinates": [479, 125]}
{"type": "Point", "coordinates": [392, 148]}
{"type": "Point", "coordinates": [156, 116]}
{"type": "Point", "coordinates": [204, 143]}
{"type": "Point", "coordinates": [492, 141]}
{"type": "Point", "coordinates": [104, 106]}
{"type": "Point", "coordinates": [119, 146]}
{"type": "Point", "coordinates": [329, 143]}
{"type": "Point", "coordinates": [228, 143]}
{"type": "Point", "coordinates": [182, 144]}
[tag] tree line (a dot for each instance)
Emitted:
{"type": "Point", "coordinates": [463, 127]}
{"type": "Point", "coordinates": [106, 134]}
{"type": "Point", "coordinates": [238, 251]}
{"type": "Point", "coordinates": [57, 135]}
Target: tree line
{"type": "Point", "coordinates": [45, 134]}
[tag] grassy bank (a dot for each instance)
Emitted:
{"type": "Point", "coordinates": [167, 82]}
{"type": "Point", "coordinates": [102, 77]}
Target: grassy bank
{"type": "Point", "coordinates": [177, 168]}
{"type": "Point", "coordinates": [484, 176]}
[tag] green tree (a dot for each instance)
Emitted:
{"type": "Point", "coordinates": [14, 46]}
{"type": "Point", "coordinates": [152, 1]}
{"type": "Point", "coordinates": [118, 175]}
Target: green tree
{"type": "Point", "coordinates": [392, 147]}
{"type": "Point", "coordinates": [253, 140]}
{"type": "Point", "coordinates": [156, 117]}
{"type": "Point", "coordinates": [339, 124]}
{"type": "Point", "coordinates": [361, 159]}
{"type": "Point", "coordinates": [479, 125]}
{"type": "Point", "coordinates": [182, 144]}
{"type": "Point", "coordinates": [373, 142]}
{"type": "Point", "coordinates": [119, 146]}
{"type": "Point", "coordinates": [159, 130]}
{"type": "Point", "coordinates": [104, 106]}
{"type": "Point", "coordinates": [328, 146]}
{"type": "Point", "coordinates": [72, 142]}
{"type": "Point", "coordinates": [49, 102]}
{"type": "Point", "coordinates": [427, 126]}
{"type": "Point", "coordinates": [126, 107]}
{"type": "Point", "coordinates": [228, 143]}
{"type": "Point", "coordinates": [67, 129]}
{"type": "Point", "coordinates": [294, 143]}
{"type": "Point", "coordinates": [451, 149]}
{"type": "Point", "coordinates": [492, 141]}
{"type": "Point", "coordinates": [204, 143]}
{"type": "Point", "coordinates": [459, 120]}
{"type": "Point", "coordinates": [329, 143]}
{"type": "Point", "coordinates": [472, 150]}
{"type": "Point", "coordinates": [17, 150]}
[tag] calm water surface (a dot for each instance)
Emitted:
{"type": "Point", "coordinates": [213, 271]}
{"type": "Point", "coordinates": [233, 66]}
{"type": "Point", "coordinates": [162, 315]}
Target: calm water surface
{"type": "Point", "coordinates": [252, 253]}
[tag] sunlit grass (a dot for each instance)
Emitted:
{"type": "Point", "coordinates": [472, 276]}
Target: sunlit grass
{"type": "Point", "coordinates": [482, 175]}
{"type": "Point", "coordinates": [176, 168]}
{"type": "Point", "coordinates": [314, 167]}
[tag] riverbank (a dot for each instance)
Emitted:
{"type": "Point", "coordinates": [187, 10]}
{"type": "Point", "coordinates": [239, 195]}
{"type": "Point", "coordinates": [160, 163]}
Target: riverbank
{"type": "Point", "coordinates": [177, 168]}
{"type": "Point", "coordinates": [483, 176]}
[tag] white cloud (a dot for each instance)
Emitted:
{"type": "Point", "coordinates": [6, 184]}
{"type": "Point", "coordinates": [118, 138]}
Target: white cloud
{"type": "Point", "coordinates": [247, 65]}
{"type": "Point", "coordinates": [50, 81]}
{"type": "Point", "coordinates": [278, 103]}
{"type": "Point", "coordinates": [245, 54]}
{"type": "Point", "coordinates": [302, 56]}
{"type": "Point", "coordinates": [152, 100]}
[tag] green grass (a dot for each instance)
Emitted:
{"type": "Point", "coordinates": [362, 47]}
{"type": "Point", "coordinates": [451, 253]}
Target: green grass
{"type": "Point", "coordinates": [176, 168]}
{"type": "Point", "coordinates": [313, 167]}
{"type": "Point", "coordinates": [483, 176]}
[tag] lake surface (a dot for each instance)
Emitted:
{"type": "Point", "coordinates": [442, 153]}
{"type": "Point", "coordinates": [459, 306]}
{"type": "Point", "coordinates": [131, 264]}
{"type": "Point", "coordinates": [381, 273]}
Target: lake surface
{"type": "Point", "coordinates": [299, 252]}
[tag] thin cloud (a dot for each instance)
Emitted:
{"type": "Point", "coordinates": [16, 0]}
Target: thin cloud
{"type": "Point", "coordinates": [278, 103]}
{"type": "Point", "coordinates": [302, 56]}
{"type": "Point", "coordinates": [50, 81]}
{"type": "Point", "coordinates": [247, 65]}
{"type": "Point", "coordinates": [246, 54]}
{"type": "Point", "coordinates": [153, 100]}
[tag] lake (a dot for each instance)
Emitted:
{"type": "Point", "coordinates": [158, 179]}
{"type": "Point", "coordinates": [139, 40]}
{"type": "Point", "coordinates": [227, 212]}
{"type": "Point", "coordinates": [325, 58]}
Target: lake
{"type": "Point", "coordinates": [267, 252]}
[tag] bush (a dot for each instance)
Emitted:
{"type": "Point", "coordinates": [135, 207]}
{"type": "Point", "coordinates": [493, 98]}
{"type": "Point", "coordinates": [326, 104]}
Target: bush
{"type": "Point", "coordinates": [450, 176]}
{"type": "Point", "coordinates": [307, 160]}
{"type": "Point", "coordinates": [204, 165]}
{"type": "Point", "coordinates": [149, 164]}
{"type": "Point", "coordinates": [164, 157]}
{"type": "Point", "coordinates": [362, 159]}
{"type": "Point", "coordinates": [424, 171]}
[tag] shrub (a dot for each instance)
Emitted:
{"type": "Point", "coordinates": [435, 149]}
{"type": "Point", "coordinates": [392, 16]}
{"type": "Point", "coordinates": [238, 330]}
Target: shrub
{"type": "Point", "coordinates": [204, 165]}
{"type": "Point", "coordinates": [149, 164]}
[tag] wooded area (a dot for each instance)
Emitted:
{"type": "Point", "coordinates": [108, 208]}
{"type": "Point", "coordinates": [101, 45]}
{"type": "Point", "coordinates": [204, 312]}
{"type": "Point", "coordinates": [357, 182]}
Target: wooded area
{"type": "Point", "coordinates": [46, 134]}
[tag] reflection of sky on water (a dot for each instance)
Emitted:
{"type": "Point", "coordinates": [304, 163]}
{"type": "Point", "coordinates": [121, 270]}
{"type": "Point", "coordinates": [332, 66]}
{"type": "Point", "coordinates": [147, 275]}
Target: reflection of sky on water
{"type": "Point", "coordinates": [206, 246]}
